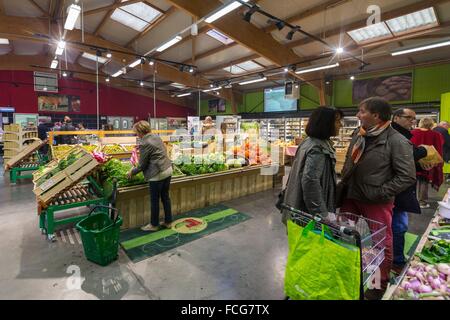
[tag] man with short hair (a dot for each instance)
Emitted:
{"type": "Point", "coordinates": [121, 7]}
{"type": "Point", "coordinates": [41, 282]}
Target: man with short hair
{"type": "Point", "coordinates": [403, 121]}
{"type": "Point", "coordinates": [379, 165]}
{"type": "Point", "coordinates": [67, 126]}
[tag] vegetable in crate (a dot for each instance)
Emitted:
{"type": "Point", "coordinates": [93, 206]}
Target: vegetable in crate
{"type": "Point", "coordinates": [438, 251]}
{"type": "Point", "coordinates": [115, 168]}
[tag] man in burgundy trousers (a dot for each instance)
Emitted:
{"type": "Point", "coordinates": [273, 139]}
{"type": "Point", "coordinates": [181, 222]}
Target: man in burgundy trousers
{"type": "Point", "coordinates": [379, 164]}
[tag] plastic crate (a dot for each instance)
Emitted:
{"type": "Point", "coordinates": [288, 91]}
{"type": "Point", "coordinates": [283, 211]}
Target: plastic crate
{"type": "Point", "coordinates": [100, 237]}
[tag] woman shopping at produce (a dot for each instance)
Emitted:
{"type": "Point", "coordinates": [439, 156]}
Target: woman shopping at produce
{"type": "Point", "coordinates": [157, 169]}
{"type": "Point", "coordinates": [311, 186]}
{"type": "Point", "coordinates": [424, 135]}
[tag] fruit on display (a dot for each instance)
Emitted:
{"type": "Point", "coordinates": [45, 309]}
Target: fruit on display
{"type": "Point", "coordinates": [282, 143]}
{"type": "Point", "coordinates": [253, 152]}
{"type": "Point", "coordinates": [89, 147]}
{"type": "Point", "coordinates": [62, 164]}
{"type": "Point", "coordinates": [112, 149]}
{"type": "Point", "coordinates": [59, 150]}
{"type": "Point", "coordinates": [128, 147]}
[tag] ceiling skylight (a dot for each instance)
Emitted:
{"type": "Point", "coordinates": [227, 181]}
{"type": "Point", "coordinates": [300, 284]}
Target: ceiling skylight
{"type": "Point", "coordinates": [243, 67]}
{"type": "Point", "coordinates": [93, 57]}
{"type": "Point", "coordinates": [370, 33]}
{"type": "Point", "coordinates": [219, 36]}
{"type": "Point", "coordinates": [4, 41]}
{"type": "Point", "coordinates": [137, 15]}
{"type": "Point", "coordinates": [422, 19]}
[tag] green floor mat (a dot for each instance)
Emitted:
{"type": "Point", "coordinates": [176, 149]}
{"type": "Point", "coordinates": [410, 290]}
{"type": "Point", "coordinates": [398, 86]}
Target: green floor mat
{"type": "Point", "coordinates": [411, 242]}
{"type": "Point", "coordinates": [140, 245]}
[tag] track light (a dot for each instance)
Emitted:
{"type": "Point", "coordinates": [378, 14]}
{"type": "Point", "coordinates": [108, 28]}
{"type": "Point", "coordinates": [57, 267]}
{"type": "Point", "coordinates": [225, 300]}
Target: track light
{"type": "Point", "coordinates": [64, 74]}
{"type": "Point", "coordinates": [60, 47]}
{"type": "Point", "coordinates": [151, 62]}
{"type": "Point", "coordinates": [191, 69]}
{"type": "Point", "coordinates": [73, 12]}
{"type": "Point", "coordinates": [107, 79]}
{"type": "Point", "coordinates": [142, 60]}
{"type": "Point", "coordinates": [211, 85]}
{"type": "Point", "coordinates": [280, 24]}
{"type": "Point", "coordinates": [286, 69]}
{"type": "Point", "coordinates": [45, 89]}
{"type": "Point", "coordinates": [250, 12]}
{"type": "Point", "coordinates": [109, 55]}
{"type": "Point", "coordinates": [352, 78]}
{"type": "Point", "coordinates": [54, 64]}
{"type": "Point", "coordinates": [217, 93]}
{"type": "Point", "coordinates": [291, 33]}
{"type": "Point", "coordinates": [141, 84]}
{"type": "Point", "coordinates": [339, 50]}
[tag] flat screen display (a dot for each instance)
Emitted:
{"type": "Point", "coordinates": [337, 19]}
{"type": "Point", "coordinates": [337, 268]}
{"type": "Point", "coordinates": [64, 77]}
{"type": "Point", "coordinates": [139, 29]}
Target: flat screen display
{"type": "Point", "coordinates": [274, 101]}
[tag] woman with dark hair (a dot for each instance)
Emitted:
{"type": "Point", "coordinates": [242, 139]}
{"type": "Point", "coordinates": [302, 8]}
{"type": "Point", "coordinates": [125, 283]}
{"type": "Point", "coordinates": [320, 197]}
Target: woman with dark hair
{"type": "Point", "coordinates": [311, 186]}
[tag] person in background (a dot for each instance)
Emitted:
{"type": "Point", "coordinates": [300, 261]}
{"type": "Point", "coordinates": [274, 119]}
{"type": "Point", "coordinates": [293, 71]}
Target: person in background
{"type": "Point", "coordinates": [311, 186]}
{"type": "Point", "coordinates": [207, 124]}
{"type": "Point", "coordinates": [157, 169]}
{"type": "Point", "coordinates": [81, 127]}
{"type": "Point", "coordinates": [57, 127]}
{"type": "Point", "coordinates": [403, 121]}
{"type": "Point", "coordinates": [67, 126]}
{"type": "Point", "coordinates": [43, 128]}
{"type": "Point", "coordinates": [442, 128]}
{"type": "Point", "coordinates": [425, 136]}
{"type": "Point", "coordinates": [82, 138]}
{"type": "Point", "coordinates": [379, 164]}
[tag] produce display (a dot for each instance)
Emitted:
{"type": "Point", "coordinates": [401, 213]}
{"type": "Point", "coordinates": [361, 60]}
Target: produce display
{"type": "Point", "coordinates": [201, 164]}
{"type": "Point", "coordinates": [89, 147]}
{"type": "Point", "coordinates": [59, 150]}
{"type": "Point", "coordinates": [62, 164]}
{"type": "Point", "coordinates": [128, 147]}
{"type": "Point", "coordinates": [425, 281]}
{"type": "Point", "coordinates": [253, 153]}
{"type": "Point", "coordinates": [436, 252]}
{"type": "Point", "coordinates": [112, 149]}
{"type": "Point", "coordinates": [117, 169]}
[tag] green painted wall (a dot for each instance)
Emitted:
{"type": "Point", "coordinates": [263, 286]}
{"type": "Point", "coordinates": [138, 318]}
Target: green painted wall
{"type": "Point", "coordinates": [445, 116]}
{"type": "Point", "coordinates": [429, 83]}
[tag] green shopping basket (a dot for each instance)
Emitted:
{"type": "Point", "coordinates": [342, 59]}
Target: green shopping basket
{"type": "Point", "coordinates": [100, 235]}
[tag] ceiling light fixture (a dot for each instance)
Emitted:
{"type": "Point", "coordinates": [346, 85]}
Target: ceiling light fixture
{"type": "Point", "coordinates": [191, 69]}
{"type": "Point", "coordinates": [252, 81]}
{"type": "Point", "coordinates": [135, 63]}
{"type": "Point", "coordinates": [352, 78]}
{"type": "Point", "coordinates": [118, 73]}
{"type": "Point", "coordinates": [45, 89]}
{"type": "Point", "coordinates": [73, 13]}
{"type": "Point", "coordinates": [109, 55]}
{"type": "Point", "coordinates": [250, 12]}
{"type": "Point", "coordinates": [169, 43]}
{"type": "Point", "coordinates": [60, 47]}
{"type": "Point", "coordinates": [64, 74]}
{"type": "Point", "coordinates": [151, 62]}
{"type": "Point", "coordinates": [421, 48]}
{"type": "Point", "coordinates": [286, 69]}
{"type": "Point", "coordinates": [339, 50]}
{"type": "Point", "coordinates": [212, 89]}
{"type": "Point", "coordinates": [54, 64]}
{"type": "Point", "coordinates": [141, 84]}
{"type": "Point", "coordinates": [311, 69]}
{"type": "Point", "coordinates": [225, 10]}
{"type": "Point", "coordinates": [291, 33]}
{"type": "Point", "coordinates": [4, 41]}
{"type": "Point", "coordinates": [184, 94]}
{"type": "Point", "coordinates": [107, 79]}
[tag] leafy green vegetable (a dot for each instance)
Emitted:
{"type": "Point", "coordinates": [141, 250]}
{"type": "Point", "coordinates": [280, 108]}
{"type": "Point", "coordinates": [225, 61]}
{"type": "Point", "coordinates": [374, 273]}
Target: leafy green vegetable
{"type": "Point", "coordinates": [438, 252]}
{"type": "Point", "coordinates": [117, 169]}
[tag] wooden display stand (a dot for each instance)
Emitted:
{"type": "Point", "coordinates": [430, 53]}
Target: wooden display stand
{"type": "Point", "coordinates": [16, 140]}
{"type": "Point", "coordinates": [188, 193]}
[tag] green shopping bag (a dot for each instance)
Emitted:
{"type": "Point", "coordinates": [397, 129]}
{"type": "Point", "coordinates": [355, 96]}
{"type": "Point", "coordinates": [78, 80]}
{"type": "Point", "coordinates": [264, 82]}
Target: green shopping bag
{"type": "Point", "coordinates": [320, 269]}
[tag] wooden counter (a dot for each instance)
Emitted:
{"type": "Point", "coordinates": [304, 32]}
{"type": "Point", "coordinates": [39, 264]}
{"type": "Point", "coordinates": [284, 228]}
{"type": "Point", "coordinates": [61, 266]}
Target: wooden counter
{"type": "Point", "coordinates": [193, 192]}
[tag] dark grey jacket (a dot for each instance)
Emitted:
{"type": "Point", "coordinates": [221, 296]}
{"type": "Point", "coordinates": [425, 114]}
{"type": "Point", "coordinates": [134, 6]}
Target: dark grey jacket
{"type": "Point", "coordinates": [153, 157]}
{"type": "Point", "coordinates": [311, 185]}
{"type": "Point", "coordinates": [385, 169]}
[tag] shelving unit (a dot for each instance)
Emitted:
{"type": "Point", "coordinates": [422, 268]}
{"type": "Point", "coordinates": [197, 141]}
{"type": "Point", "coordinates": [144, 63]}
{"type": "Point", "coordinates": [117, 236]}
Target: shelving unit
{"type": "Point", "coordinates": [16, 138]}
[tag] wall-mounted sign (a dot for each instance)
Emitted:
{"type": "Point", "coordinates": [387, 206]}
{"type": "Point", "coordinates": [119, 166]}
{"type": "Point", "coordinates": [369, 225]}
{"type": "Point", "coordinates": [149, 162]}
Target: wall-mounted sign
{"type": "Point", "coordinates": [7, 109]}
{"type": "Point", "coordinates": [391, 88]}
{"type": "Point", "coordinates": [58, 103]}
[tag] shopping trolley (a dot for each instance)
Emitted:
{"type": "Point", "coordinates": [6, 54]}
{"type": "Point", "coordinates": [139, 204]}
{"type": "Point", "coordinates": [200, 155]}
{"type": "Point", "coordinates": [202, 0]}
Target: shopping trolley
{"type": "Point", "coordinates": [366, 234]}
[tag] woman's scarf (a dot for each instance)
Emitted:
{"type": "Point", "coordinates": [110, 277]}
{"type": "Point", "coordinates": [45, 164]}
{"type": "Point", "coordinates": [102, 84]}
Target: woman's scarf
{"type": "Point", "coordinates": [360, 144]}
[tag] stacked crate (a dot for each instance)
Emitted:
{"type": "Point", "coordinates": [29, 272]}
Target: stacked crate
{"type": "Point", "coordinates": [16, 139]}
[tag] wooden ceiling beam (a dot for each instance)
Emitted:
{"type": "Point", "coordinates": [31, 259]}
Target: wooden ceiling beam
{"type": "Point", "coordinates": [153, 6]}
{"type": "Point", "coordinates": [244, 33]}
{"type": "Point", "coordinates": [28, 63]}
{"type": "Point", "coordinates": [331, 32]}
{"type": "Point", "coordinates": [45, 13]}
{"type": "Point", "coordinates": [153, 25]}
{"type": "Point", "coordinates": [110, 7]}
{"type": "Point", "coordinates": [308, 12]}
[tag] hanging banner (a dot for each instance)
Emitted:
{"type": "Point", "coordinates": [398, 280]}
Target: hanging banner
{"type": "Point", "coordinates": [58, 103]}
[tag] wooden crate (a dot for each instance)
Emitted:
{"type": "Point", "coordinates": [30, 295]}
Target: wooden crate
{"type": "Point", "coordinates": [60, 182]}
{"type": "Point", "coordinates": [21, 155]}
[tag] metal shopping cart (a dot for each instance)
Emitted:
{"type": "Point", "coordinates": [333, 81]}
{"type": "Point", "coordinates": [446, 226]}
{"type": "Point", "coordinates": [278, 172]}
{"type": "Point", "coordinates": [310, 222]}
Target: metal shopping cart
{"type": "Point", "coordinates": [366, 234]}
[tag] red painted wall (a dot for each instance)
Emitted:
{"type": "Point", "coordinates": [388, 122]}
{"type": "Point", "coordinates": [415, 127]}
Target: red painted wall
{"type": "Point", "coordinates": [17, 90]}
